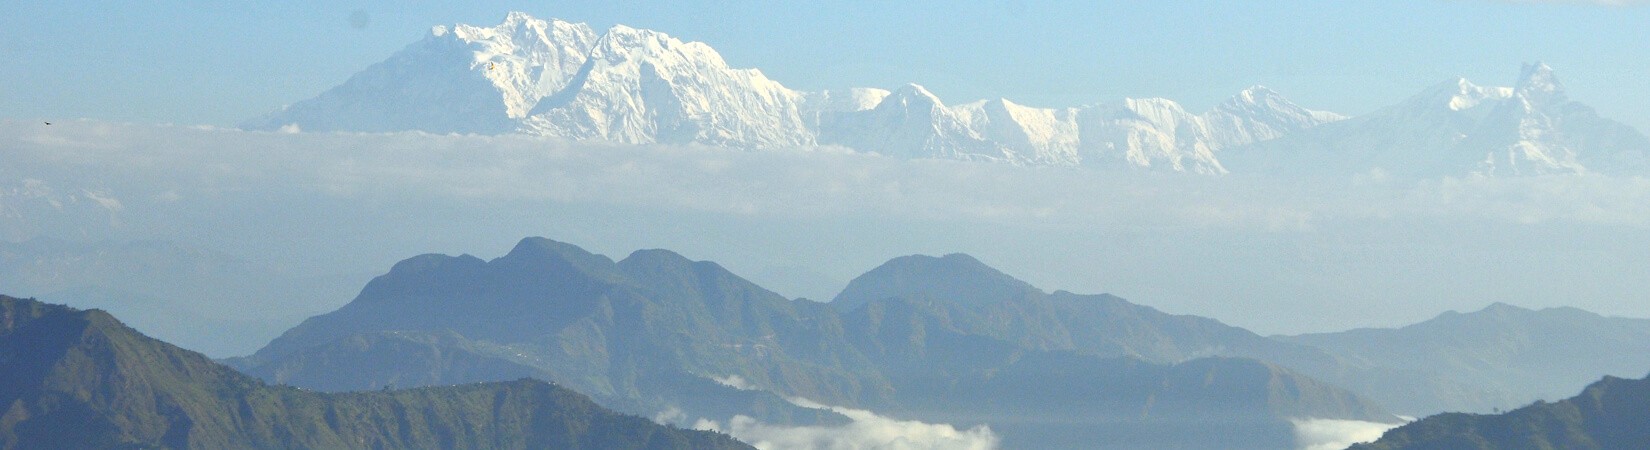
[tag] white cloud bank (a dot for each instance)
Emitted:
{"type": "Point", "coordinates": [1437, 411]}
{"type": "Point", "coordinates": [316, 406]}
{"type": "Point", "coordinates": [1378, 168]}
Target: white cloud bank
{"type": "Point", "coordinates": [1256, 251]}
{"type": "Point", "coordinates": [1332, 434]}
{"type": "Point", "coordinates": [867, 431]}
{"type": "Point", "coordinates": [179, 163]}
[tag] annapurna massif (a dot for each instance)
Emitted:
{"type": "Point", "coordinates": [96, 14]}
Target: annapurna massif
{"type": "Point", "coordinates": [627, 85]}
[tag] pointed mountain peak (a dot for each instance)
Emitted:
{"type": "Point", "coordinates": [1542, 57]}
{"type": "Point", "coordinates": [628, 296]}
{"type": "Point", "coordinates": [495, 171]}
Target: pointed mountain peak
{"type": "Point", "coordinates": [514, 23]}
{"type": "Point", "coordinates": [1459, 94]}
{"type": "Point", "coordinates": [540, 254]}
{"type": "Point", "coordinates": [517, 20]}
{"type": "Point", "coordinates": [852, 99]}
{"type": "Point", "coordinates": [1259, 98]}
{"type": "Point", "coordinates": [541, 248]}
{"type": "Point", "coordinates": [622, 42]}
{"type": "Point", "coordinates": [630, 37]}
{"type": "Point", "coordinates": [1256, 94]}
{"type": "Point", "coordinates": [1536, 73]}
{"type": "Point", "coordinates": [1503, 308]}
{"type": "Point", "coordinates": [916, 92]}
{"type": "Point", "coordinates": [954, 278]}
{"type": "Point", "coordinates": [1539, 85]}
{"type": "Point", "coordinates": [655, 257]}
{"type": "Point", "coordinates": [518, 17]}
{"type": "Point", "coordinates": [676, 276]}
{"type": "Point", "coordinates": [1261, 103]}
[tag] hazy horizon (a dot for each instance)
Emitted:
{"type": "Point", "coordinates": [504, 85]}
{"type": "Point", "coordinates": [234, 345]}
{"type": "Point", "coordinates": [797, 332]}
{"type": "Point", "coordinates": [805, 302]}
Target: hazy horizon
{"type": "Point", "coordinates": [1254, 251]}
{"type": "Point", "coordinates": [239, 180]}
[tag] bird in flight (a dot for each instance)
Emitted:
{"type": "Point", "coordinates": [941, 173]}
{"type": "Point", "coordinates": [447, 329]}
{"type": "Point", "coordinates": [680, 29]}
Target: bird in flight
{"type": "Point", "coordinates": [48, 123]}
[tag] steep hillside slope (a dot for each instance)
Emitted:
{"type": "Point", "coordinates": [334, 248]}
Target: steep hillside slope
{"type": "Point", "coordinates": [81, 379]}
{"type": "Point", "coordinates": [1610, 414]}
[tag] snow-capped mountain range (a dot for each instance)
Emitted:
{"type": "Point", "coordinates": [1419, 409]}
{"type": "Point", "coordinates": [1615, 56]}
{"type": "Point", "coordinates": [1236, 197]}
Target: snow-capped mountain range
{"type": "Point", "coordinates": [557, 78]}
{"type": "Point", "coordinates": [1457, 127]}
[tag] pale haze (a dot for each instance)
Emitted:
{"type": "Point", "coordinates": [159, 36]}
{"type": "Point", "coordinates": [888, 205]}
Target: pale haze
{"type": "Point", "coordinates": [849, 225]}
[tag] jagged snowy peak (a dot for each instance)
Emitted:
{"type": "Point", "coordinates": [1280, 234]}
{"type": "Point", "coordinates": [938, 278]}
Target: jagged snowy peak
{"type": "Point", "coordinates": [1158, 132]}
{"type": "Point", "coordinates": [642, 86]}
{"type": "Point", "coordinates": [910, 122]}
{"type": "Point", "coordinates": [527, 59]}
{"type": "Point", "coordinates": [1523, 133]}
{"type": "Point", "coordinates": [1034, 135]}
{"type": "Point", "coordinates": [1458, 128]}
{"type": "Point", "coordinates": [555, 78]}
{"type": "Point", "coordinates": [1153, 133]}
{"type": "Point", "coordinates": [846, 100]}
{"type": "Point", "coordinates": [462, 79]}
{"type": "Point", "coordinates": [1257, 114]}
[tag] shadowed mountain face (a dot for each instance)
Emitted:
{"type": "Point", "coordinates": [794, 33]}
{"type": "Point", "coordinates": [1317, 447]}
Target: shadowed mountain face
{"type": "Point", "coordinates": [81, 379]}
{"type": "Point", "coordinates": [1499, 357]}
{"type": "Point", "coordinates": [1610, 414]}
{"type": "Point", "coordinates": [554, 311]}
{"type": "Point", "coordinates": [1071, 399]}
{"type": "Point", "coordinates": [981, 300]}
{"type": "Point", "coordinates": [647, 334]}
{"type": "Point", "coordinates": [958, 278]}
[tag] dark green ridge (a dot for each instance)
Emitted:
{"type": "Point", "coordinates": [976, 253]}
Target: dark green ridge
{"type": "Point", "coordinates": [1613, 413]}
{"type": "Point", "coordinates": [648, 334]}
{"type": "Point", "coordinates": [81, 379]}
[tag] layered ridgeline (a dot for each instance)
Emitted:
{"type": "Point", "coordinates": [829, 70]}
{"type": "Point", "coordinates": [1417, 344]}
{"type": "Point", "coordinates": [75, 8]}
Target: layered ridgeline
{"type": "Point", "coordinates": [1613, 413]}
{"type": "Point", "coordinates": [556, 78]}
{"type": "Point", "coordinates": [80, 379]}
{"type": "Point", "coordinates": [653, 333]}
{"type": "Point", "coordinates": [1456, 128]}
{"type": "Point", "coordinates": [1496, 358]}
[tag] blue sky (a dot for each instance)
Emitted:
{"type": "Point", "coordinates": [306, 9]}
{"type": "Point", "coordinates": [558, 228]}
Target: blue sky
{"type": "Point", "coordinates": [219, 63]}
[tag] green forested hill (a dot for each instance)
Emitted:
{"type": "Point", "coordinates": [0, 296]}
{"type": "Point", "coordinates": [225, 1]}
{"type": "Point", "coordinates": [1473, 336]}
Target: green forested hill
{"type": "Point", "coordinates": [649, 334]}
{"type": "Point", "coordinates": [1613, 413]}
{"type": "Point", "coordinates": [81, 379]}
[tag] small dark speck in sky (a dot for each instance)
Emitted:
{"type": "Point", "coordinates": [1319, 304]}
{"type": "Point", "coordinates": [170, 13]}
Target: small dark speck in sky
{"type": "Point", "coordinates": [359, 19]}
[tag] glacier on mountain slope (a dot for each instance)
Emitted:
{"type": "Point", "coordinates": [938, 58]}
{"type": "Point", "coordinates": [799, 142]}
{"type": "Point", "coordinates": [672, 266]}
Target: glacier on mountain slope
{"type": "Point", "coordinates": [556, 78]}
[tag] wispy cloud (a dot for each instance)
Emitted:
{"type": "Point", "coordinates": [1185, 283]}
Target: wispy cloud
{"type": "Point", "coordinates": [736, 382]}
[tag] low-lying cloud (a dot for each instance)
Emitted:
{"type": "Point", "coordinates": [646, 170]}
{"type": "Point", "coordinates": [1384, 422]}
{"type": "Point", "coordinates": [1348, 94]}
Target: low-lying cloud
{"type": "Point", "coordinates": [1253, 250]}
{"type": "Point", "coordinates": [1333, 434]}
{"type": "Point", "coordinates": [867, 431]}
{"type": "Point", "coordinates": [736, 382]}
{"type": "Point", "coordinates": [176, 164]}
